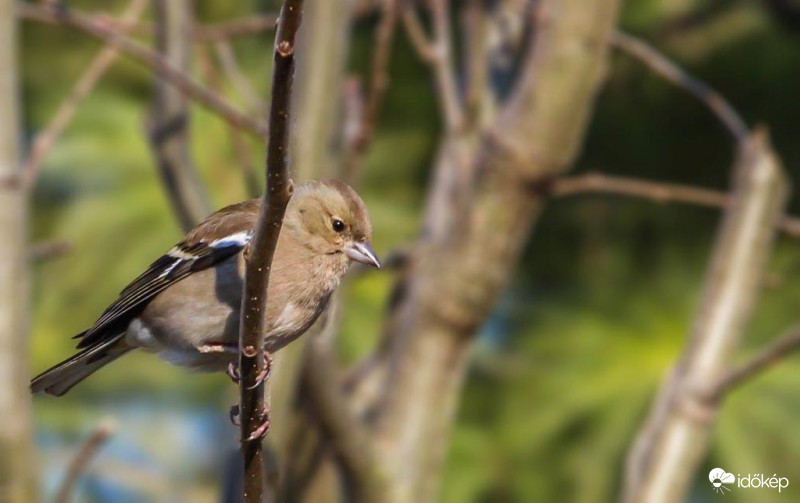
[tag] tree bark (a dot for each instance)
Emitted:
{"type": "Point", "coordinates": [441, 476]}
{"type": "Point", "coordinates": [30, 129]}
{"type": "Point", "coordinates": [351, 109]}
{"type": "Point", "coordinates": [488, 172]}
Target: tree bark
{"type": "Point", "coordinates": [16, 475]}
{"type": "Point", "coordinates": [169, 127]}
{"type": "Point", "coordinates": [463, 261]}
{"type": "Point", "coordinates": [674, 439]}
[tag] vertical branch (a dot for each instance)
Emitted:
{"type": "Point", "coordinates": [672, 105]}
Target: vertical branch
{"type": "Point", "coordinates": [259, 255]}
{"type": "Point", "coordinates": [378, 83]}
{"type": "Point", "coordinates": [456, 277]}
{"type": "Point", "coordinates": [479, 97]}
{"type": "Point", "coordinates": [444, 66]}
{"type": "Point", "coordinates": [15, 404]}
{"type": "Point", "coordinates": [674, 438]}
{"type": "Point", "coordinates": [437, 51]}
{"type": "Point", "coordinates": [169, 121]}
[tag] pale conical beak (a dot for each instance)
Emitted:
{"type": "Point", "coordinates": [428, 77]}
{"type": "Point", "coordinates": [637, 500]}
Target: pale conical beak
{"type": "Point", "coordinates": [362, 252]}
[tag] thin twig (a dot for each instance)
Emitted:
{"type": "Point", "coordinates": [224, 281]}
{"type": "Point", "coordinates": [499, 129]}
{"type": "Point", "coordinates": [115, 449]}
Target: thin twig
{"type": "Point", "coordinates": [416, 34]}
{"type": "Point", "coordinates": [211, 32]}
{"type": "Point", "coordinates": [46, 139]}
{"type": "Point", "coordinates": [48, 250]}
{"type": "Point", "coordinates": [444, 66]}
{"type": "Point", "coordinates": [694, 19]}
{"type": "Point", "coordinates": [378, 84]}
{"type": "Point", "coordinates": [656, 191]}
{"type": "Point", "coordinates": [81, 461]}
{"type": "Point", "coordinates": [230, 66]}
{"type": "Point", "coordinates": [766, 358]}
{"type": "Point", "coordinates": [206, 97]}
{"type": "Point", "coordinates": [225, 30]}
{"type": "Point", "coordinates": [659, 192]}
{"type": "Point", "coordinates": [438, 53]}
{"type": "Point", "coordinates": [239, 143]}
{"type": "Point", "coordinates": [662, 65]}
{"type": "Point", "coordinates": [259, 254]}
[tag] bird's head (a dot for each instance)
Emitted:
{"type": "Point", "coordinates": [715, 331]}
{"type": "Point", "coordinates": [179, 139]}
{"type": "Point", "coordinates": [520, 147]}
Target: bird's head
{"type": "Point", "coordinates": [330, 218]}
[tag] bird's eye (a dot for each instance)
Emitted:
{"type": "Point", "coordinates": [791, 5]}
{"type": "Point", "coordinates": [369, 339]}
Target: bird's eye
{"type": "Point", "coordinates": [338, 225]}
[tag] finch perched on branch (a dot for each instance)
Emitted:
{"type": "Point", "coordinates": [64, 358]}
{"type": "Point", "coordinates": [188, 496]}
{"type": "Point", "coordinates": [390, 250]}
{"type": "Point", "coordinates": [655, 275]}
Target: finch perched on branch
{"type": "Point", "coordinates": [186, 305]}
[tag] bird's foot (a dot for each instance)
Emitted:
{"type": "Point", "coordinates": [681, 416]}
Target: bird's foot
{"type": "Point", "coordinates": [258, 433]}
{"type": "Point", "coordinates": [233, 372]}
{"type": "Point", "coordinates": [236, 376]}
{"type": "Point", "coordinates": [234, 416]}
{"type": "Point", "coordinates": [262, 430]}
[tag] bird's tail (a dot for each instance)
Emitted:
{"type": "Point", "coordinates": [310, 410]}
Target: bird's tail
{"type": "Point", "coordinates": [61, 378]}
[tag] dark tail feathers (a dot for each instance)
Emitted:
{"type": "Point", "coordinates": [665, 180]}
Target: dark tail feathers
{"type": "Point", "coordinates": [61, 378]}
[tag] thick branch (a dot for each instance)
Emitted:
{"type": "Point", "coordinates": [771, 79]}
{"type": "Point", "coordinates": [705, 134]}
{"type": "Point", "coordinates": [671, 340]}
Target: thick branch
{"type": "Point", "coordinates": [16, 446]}
{"type": "Point", "coordinates": [46, 139]}
{"type": "Point", "coordinates": [662, 65]}
{"type": "Point", "coordinates": [206, 97]}
{"type": "Point", "coordinates": [674, 439]}
{"type": "Point", "coordinates": [259, 254]}
{"type": "Point", "coordinates": [462, 264]}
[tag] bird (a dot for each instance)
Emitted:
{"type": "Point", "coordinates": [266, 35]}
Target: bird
{"type": "Point", "coordinates": [185, 307]}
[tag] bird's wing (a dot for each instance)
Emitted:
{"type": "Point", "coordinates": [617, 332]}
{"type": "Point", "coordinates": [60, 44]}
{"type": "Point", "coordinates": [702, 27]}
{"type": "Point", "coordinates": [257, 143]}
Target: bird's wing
{"type": "Point", "coordinates": [221, 236]}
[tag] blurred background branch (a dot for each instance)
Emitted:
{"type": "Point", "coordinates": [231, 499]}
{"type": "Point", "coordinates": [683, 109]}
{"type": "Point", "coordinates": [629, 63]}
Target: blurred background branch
{"type": "Point", "coordinates": [775, 352]}
{"type": "Point", "coordinates": [80, 463]}
{"type": "Point", "coordinates": [657, 192]}
{"type": "Point", "coordinates": [47, 138]}
{"type": "Point", "coordinates": [673, 73]}
{"type": "Point", "coordinates": [48, 250]}
{"type": "Point", "coordinates": [190, 87]}
{"type": "Point", "coordinates": [17, 470]}
{"type": "Point", "coordinates": [367, 115]}
{"type": "Point", "coordinates": [479, 135]}
{"type": "Point", "coordinates": [168, 122]}
{"type": "Point", "coordinates": [674, 438]}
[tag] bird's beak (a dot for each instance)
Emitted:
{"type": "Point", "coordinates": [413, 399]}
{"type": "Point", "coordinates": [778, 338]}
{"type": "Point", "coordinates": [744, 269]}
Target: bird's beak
{"type": "Point", "coordinates": [362, 252]}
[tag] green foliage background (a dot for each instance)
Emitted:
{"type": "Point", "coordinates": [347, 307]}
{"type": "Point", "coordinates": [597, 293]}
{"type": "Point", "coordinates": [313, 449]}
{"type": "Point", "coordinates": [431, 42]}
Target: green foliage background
{"type": "Point", "coordinates": [600, 309]}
